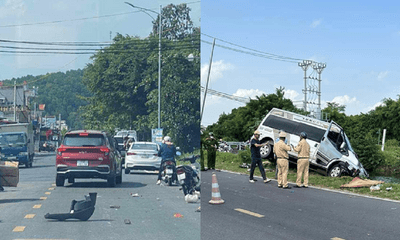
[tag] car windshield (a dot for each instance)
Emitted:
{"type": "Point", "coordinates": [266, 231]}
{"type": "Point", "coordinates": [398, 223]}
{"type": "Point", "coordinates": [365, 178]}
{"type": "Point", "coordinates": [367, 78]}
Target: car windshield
{"type": "Point", "coordinates": [90, 140]}
{"type": "Point", "coordinates": [6, 139]}
{"type": "Point", "coordinates": [119, 139]}
{"type": "Point", "coordinates": [144, 147]}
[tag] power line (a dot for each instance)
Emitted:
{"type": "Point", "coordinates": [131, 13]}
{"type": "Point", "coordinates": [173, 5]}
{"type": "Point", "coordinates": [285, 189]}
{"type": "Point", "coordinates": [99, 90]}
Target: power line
{"type": "Point", "coordinates": [253, 52]}
{"type": "Point", "coordinates": [225, 95]}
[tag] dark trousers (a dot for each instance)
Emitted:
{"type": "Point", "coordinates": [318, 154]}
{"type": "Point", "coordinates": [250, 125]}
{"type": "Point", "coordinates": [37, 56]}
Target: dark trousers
{"type": "Point", "coordinates": [258, 162]}
{"type": "Point", "coordinates": [162, 168]}
{"type": "Point", "coordinates": [211, 155]}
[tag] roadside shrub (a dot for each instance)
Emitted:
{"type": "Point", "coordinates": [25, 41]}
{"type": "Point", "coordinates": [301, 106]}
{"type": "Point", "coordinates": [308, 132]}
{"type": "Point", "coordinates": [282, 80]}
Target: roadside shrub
{"type": "Point", "coordinates": [392, 143]}
{"type": "Point", "coordinates": [368, 152]}
{"type": "Point", "coordinates": [245, 155]}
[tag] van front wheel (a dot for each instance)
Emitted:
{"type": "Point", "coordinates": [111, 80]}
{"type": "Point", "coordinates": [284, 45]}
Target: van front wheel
{"type": "Point", "coordinates": [266, 151]}
{"type": "Point", "coordinates": [335, 171]}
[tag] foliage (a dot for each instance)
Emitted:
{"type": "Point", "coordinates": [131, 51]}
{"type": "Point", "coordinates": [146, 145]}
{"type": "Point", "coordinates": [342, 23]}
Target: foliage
{"type": "Point", "coordinates": [60, 93]}
{"type": "Point", "coordinates": [241, 123]}
{"type": "Point", "coordinates": [175, 22]}
{"type": "Point", "coordinates": [245, 155]}
{"type": "Point", "coordinates": [124, 81]}
{"type": "Point", "coordinates": [368, 152]}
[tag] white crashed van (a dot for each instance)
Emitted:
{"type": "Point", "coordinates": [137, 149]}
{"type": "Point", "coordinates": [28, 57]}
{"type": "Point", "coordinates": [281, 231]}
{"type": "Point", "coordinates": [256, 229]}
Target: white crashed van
{"type": "Point", "coordinates": [330, 149]}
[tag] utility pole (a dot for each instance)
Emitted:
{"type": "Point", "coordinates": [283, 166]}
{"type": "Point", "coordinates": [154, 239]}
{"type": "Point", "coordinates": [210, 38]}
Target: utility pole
{"type": "Point", "coordinates": [208, 79]}
{"type": "Point", "coordinates": [15, 99]}
{"type": "Point", "coordinates": [319, 67]}
{"type": "Point", "coordinates": [304, 65]}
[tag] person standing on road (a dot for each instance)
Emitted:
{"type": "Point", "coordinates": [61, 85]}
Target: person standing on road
{"type": "Point", "coordinates": [303, 148]}
{"type": "Point", "coordinates": [211, 146]}
{"type": "Point", "coordinates": [281, 151]}
{"type": "Point", "coordinates": [167, 152]}
{"type": "Point", "coordinates": [255, 146]}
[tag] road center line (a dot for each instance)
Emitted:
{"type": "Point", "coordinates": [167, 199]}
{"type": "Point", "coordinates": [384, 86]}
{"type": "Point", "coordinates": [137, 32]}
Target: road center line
{"type": "Point", "coordinates": [30, 215]}
{"type": "Point", "coordinates": [19, 229]}
{"type": "Point", "coordinates": [37, 206]}
{"type": "Point", "coordinates": [249, 213]}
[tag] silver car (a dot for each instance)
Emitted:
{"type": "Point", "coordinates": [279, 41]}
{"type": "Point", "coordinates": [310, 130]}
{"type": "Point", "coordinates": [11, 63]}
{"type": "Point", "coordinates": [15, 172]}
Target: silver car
{"type": "Point", "coordinates": [142, 156]}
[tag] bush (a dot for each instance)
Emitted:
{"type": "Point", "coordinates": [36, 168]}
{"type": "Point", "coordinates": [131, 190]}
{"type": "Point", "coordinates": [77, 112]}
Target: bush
{"type": "Point", "coordinates": [245, 155]}
{"type": "Point", "coordinates": [392, 143]}
{"type": "Point", "coordinates": [368, 152]}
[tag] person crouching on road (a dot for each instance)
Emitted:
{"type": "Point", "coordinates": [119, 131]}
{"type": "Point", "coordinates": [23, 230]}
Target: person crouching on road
{"type": "Point", "coordinates": [303, 148]}
{"type": "Point", "coordinates": [281, 151]}
{"type": "Point", "coordinates": [167, 152]}
{"type": "Point", "coordinates": [255, 146]}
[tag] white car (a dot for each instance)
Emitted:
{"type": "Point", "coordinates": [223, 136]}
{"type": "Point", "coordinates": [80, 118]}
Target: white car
{"type": "Point", "coordinates": [142, 156]}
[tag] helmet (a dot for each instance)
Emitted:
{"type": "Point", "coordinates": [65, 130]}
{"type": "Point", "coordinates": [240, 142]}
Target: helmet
{"type": "Point", "coordinates": [256, 132]}
{"type": "Point", "coordinates": [303, 134]}
{"type": "Point", "coordinates": [167, 139]}
{"type": "Point", "coordinates": [282, 134]}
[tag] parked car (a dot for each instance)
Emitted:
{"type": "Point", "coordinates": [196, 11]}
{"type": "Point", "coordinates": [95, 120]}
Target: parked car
{"type": "Point", "coordinates": [142, 156]}
{"type": "Point", "coordinates": [88, 154]}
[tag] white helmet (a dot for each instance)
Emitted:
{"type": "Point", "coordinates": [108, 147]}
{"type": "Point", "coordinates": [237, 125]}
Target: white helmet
{"type": "Point", "coordinates": [167, 139]}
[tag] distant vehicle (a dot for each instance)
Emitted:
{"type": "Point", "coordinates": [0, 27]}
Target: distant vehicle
{"type": "Point", "coordinates": [119, 136]}
{"type": "Point", "coordinates": [48, 139]}
{"type": "Point", "coordinates": [88, 154]}
{"type": "Point", "coordinates": [142, 156]}
{"type": "Point", "coordinates": [330, 149]}
{"type": "Point", "coordinates": [16, 142]}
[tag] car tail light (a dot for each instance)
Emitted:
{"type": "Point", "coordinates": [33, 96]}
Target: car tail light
{"type": "Point", "coordinates": [84, 134]}
{"type": "Point", "coordinates": [105, 150]}
{"type": "Point", "coordinates": [60, 150]}
{"type": "Point", "coordinates": [130, 153]}
{"type": "Point", "coordinates": [156, 155]}
{"type": "Point", "coordinates": [179, 171]}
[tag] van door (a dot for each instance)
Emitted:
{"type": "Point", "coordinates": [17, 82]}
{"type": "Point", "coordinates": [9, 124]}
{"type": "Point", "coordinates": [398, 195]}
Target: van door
{"type": "Point", "coordinates": [330, 144]}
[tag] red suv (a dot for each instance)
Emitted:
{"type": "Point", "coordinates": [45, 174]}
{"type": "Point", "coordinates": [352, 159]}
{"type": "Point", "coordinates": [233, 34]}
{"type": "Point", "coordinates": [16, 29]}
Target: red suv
{"type": "Point", "coordinates": [88, 154]}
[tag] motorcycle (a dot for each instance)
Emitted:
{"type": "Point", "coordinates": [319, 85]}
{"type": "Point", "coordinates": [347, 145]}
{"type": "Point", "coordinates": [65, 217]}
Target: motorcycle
{"type": "Point", "coordinates": [167, 174]}
{"type": "Point", "coordinates": [189, 177]}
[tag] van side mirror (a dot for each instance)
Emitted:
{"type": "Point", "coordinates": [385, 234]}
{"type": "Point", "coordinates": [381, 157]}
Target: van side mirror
{"type": "Point", "coordinates": [343, 146]}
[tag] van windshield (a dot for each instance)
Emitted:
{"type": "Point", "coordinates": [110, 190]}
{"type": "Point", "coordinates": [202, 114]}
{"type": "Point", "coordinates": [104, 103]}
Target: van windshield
{"type": "Point", "coordinates": [348, 143]}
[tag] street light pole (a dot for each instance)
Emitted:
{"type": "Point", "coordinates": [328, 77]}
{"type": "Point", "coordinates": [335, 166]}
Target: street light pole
{"type": "Point", "coordinates": [159, 55]}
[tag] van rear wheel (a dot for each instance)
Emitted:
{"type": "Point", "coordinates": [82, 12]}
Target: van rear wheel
{"type": "Point", "coordinates": [335, 171]}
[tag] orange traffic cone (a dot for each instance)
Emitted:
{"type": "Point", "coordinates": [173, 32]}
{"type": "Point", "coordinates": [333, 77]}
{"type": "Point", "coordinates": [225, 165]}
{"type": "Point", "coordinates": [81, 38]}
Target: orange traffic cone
{"type": "Point", "coordinates": [215, 195]}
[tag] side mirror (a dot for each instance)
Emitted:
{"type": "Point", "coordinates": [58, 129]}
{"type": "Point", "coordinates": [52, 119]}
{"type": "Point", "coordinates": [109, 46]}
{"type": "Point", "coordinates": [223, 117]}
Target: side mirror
{"type": "Point", "coordinates": [343, 146]}
{"type": "Point", "coordinates": [28, 141]}
{"type": "Point", "coordinates": [178, 153]}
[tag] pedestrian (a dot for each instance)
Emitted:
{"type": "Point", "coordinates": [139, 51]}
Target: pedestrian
{"type": "Point", "coordinates": [281, 151]}
{"type": "Point", "coordinates": [211, 146]}
{"type": "Point", "coordinates": [303, 148]}
{"type": "Point", "coordinates": [202, 153]}
{"type": "Point", "coordinates": [255, 146]}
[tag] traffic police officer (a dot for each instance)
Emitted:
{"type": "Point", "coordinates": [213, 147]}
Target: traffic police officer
{"type": "Point", "coordinates": [281, 151]}
{"type": "Point", "coordinates": [303, 148]}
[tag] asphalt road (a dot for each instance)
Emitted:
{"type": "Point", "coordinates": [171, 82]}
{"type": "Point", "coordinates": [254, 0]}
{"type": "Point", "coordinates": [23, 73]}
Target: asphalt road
{"type": "Point", "coordinates": [264, 211]}
{"type": "Point", "coordinates": [159, 212]}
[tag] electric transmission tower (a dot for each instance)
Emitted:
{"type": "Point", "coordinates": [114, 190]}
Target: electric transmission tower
{"type": "Point", "coordinates": [312, 87]}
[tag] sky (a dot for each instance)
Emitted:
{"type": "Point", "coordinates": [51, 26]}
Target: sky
{"type": "Point", "coordinates": [359, 41]}
{"type": "Point", "coordinates": [70, 21]}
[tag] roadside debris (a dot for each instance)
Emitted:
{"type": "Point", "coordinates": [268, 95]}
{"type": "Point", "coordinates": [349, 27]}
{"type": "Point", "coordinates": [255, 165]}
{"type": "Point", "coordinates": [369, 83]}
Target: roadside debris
{"type": "Point", "coordinates": [199, 209]}
{"type": "Point", "coordinates": [388, 188]}
{"type": "Point", "coordinates": [358, 182]}
{"type": "Point", "coordinates": [135, 194]}
{"type": "Point", "coordinates": [127, 221]}
{"type": "Point", "coordinates": [189, 198]}
{"type": "Point", "coordinates": [178, 215]}
{"type": "Point", "coordinates": [115, 206]}
{"type": "Point", "coordinates": [375, 188]}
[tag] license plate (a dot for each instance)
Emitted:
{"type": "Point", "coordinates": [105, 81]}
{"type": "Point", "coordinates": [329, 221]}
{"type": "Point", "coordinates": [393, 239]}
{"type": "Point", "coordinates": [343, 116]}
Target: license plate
{"type": "Point", "coordinates": [169, 171]}
{"type": "Point", "coordinates": [181, 176]}
{"type": "Point", "coordinates": [12, 158]}
{"type": "Point", "coordinates": [145, 156]}
{"type": "Point", "coordinates": [82, 163]}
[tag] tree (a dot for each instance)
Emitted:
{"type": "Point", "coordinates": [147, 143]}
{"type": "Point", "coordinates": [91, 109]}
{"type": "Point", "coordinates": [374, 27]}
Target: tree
{"type": "Point", "coordinates": [176, 23]}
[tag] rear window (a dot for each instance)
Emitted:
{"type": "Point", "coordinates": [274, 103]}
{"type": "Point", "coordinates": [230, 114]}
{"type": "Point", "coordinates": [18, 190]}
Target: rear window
{"type": "Point", "coordinates": [119, 139]}
{"type": "Point", "coordinates": [144, 147]}
{"type": "Point", "coordinates": [91, 140]}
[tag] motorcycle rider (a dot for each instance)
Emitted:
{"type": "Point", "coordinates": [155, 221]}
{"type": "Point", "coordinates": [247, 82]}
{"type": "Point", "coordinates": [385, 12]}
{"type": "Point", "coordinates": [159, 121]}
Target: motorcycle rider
{"type": "Point", "coordinates": [167, 152]}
